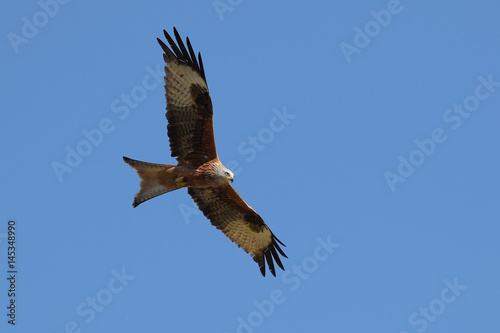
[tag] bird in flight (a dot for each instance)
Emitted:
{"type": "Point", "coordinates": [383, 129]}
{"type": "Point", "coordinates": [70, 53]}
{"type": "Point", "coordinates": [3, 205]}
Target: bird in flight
{"type": "Point", "coordinates": [191, 134]}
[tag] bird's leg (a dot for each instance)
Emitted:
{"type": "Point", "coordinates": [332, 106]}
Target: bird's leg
{"type": "Point", "coordinates": [179, 181]}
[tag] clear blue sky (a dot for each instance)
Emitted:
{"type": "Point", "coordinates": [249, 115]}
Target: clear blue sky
{"type": "Point", "coordinates": [365, 133]}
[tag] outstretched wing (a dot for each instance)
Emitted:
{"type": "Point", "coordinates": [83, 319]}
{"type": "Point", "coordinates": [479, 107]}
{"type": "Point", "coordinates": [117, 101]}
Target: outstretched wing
{"type": "Point", "coordinates": [227, 211]}
{"type": "Point", "coordinates": [189, 107]}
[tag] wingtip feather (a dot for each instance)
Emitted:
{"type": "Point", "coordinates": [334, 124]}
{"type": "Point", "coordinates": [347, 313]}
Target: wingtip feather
{"type": "Point", "coordinates": [183, 55]}
{"type": "Point", "coordinates": [277, 258]}
{"type": "Point", "coordinates": [270, 262]}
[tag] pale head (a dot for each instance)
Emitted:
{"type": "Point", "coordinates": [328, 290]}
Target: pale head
{"type": "Point", "coordinates": [223, 175]}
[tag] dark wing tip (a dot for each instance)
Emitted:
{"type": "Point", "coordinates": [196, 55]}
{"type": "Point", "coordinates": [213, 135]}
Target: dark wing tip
{"type": "Point", "coordinates": [263, 268]}
{"type": "Point", "coordinates": [269, 259]}
{"type": "Point", "coordinates": [277, 258]}
{"type": "Point", "coordinates": [163, 45]}
{"type": "Point", "coordinates": [277, 247]}
{"type": "Point", "coordinates": [181, 53]}
{"type": "Point", "coordinates": [276, 238]}
{"type": "Point", "coordinates": [270, 254]}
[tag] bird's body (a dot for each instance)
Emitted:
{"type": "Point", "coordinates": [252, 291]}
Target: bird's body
{"type": "Point", "coordinates": [192, 142]}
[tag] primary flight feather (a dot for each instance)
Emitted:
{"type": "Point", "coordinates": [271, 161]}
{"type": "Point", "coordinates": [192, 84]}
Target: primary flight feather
{"type": "Point", "coordinates": [192, 142]}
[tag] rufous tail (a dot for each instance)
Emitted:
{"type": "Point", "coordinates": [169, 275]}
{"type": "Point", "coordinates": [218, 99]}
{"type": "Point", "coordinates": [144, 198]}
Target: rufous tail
{"type": "Point", "coordinates": [152, 175]}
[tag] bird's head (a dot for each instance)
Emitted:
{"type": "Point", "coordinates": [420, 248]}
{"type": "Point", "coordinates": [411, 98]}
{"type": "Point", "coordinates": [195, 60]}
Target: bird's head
{"type": "Point", "coordinates": [224, 175]}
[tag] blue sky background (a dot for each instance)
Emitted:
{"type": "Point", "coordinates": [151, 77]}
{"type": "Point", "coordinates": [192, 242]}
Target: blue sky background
{"type": "Point", "coordinates": [417, 253]}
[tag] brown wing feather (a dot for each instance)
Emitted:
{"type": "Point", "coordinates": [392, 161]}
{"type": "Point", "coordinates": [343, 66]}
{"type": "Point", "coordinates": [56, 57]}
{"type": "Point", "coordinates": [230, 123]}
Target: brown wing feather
{"type": "Point", "coordinates": [189, 107]}
{"type": "Point", "coordinates": [227, 211]}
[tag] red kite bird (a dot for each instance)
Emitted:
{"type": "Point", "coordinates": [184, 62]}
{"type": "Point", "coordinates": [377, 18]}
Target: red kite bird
{"type": "Point", "coordinates": [191, 134]}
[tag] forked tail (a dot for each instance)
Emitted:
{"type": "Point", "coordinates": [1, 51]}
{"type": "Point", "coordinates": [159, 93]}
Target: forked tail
{"type": "Point", "coordinates": [152, 177]}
